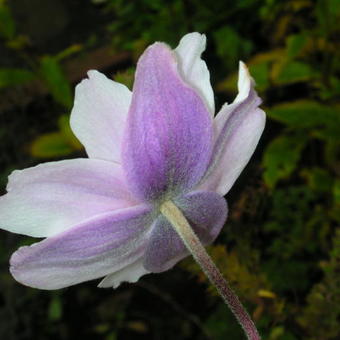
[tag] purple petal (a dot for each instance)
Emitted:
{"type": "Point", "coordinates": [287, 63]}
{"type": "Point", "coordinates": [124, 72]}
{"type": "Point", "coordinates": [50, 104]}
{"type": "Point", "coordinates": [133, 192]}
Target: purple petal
{"type": "Point", "coordinates": [169, 131]}
{"type": "Point", "coordinates": [99, 115]}
{"type": "Point", "coordinates": [206, 213]}
{"type": "Point", "coordinates": [238, 128]}
{"type": "Point", "coordinates": [50, 198]}
{"type": "Point", "coordinates": [88, 251]}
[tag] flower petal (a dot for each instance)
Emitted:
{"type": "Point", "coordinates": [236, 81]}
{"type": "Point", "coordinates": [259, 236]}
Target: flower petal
{"type": "Point", "coordinates": [169, 132]}
{"type": "Point", "coordinates": [238, 128]}
{"type": "Point", "coordinates": [205, 211]}
{"type": "Point", "coordinates": [193, 69]}
{"type": "Point", "coordinates": [88, 251]}
{"type": "Point", "coordinates": [130, 273]}
{"type": "Point", "coordinates": [99, 114]}
{"type": "Point", "coordinates": [49, 198]}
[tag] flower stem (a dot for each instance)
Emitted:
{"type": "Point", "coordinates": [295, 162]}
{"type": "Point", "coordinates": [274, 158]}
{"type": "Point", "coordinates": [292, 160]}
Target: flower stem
{"type": "Point", "coordinates": [190, 239]}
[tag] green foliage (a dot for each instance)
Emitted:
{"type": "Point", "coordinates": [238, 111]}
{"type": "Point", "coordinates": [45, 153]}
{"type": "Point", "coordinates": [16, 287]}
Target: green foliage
{"type": "Point", "coordinates": [230, 46]}
{"type": "Point", "coordinates": [307, 114]}
{"type": "Point", "coordinates": [7, 23]}
{"type": "Point", "coordinates": [55, 80]}
{"type": "Point", "coordinates": [221, 324]}
{"type": "Point", "coordinates": [13, 77]}
{"type": "Point", "coordinates": [295, 43]}
{"type": "Point", "coordinates": [55, 311]}
{"type": "Point", "coordinates": [56, 144]}
{"type": "Point", "coordinates": [50, 145]}
{"type": "Point", "coordinates": [323, 301]}
{"type": "Point", "coordinates": [293, 72]}
{"type": "Point", "coordinates": [126, 77]}
{"type": "Point", "coordinates": [281, 158]}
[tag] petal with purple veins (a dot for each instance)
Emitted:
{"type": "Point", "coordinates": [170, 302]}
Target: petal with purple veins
{"type": "Point", "coordinates": [50, 198]}
{"type": "Point", "coordinates": [205, 211]}
{"type": "Point", "coordinates": [87, 251]}
{"type": "Point", "coordinates": [168, 137]}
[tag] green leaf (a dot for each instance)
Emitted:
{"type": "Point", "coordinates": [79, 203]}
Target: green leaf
{"type": "Point", "coordinates": [336, 191]}
{"type": "Point", "coordinates": [7, 24]}
{"type": "Point", "coordinates": [293, 72]}
{"type": "Point", "coordinates": [125, 77]}
{"type": "Point", "coordinates": [281, 158]}
{"type": "Point", "coordinates": [318, 179]}
{"type": "Point", "coordinates": [56, 81]}
{"type": "Point", "coordinates": [65, 130]}
{"type": "Point", "coordinates": [51, 145]}
{"type": "Point", "coordinates": [55, 309]}
{"type": "Point", "coordinates": [230, 45]}
{"type": "Point", "coordinates": [68, 52]}
{"type": "Point", "coordinates": [12, 77]}
{"type": "Point", "coordinates": [220, 325]}
{"type": "Point", "coordinates": [260, 73]}
{"type": "Point", "coordinates": [295, 43]}
{"type": "Point", "coordinates": [306, 114]}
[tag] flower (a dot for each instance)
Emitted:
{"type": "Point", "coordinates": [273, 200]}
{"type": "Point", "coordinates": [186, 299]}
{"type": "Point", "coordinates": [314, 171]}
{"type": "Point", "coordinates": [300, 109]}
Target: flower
{"type": "Point", "coordinates": [100, 215]}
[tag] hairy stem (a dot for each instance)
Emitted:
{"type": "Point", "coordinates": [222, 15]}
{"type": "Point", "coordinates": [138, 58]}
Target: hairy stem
{"type": "Point", "coordinates": [182, 227]}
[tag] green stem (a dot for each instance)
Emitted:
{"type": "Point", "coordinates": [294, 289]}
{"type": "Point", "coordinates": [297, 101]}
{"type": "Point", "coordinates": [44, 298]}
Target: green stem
{"type": "Point", "coordinates": [182, 227]}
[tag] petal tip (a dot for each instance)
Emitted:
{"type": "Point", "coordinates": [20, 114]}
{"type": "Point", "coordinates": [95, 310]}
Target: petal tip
{"type": "Point", "coordinates": [196, 35]}
{"type": "Point", "coordinates": [93, 73]}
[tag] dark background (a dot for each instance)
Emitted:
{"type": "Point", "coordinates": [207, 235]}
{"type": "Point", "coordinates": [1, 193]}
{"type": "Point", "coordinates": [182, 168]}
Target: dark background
{"type": "Point", "coordinates": [280, 248]}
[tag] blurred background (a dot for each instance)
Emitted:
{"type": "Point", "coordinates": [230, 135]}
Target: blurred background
{"type": "Point", "coordinates": [280, 248]}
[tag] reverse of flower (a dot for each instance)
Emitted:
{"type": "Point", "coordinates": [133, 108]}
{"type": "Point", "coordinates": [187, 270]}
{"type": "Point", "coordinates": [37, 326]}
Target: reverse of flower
{"type": "Point", "coordinates": [151, 190]}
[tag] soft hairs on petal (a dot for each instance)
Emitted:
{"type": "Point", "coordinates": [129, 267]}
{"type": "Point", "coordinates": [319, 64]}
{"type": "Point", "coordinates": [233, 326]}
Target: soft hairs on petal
{"type": "Point", "coordinates": [88, 251]}
{"type": "Point", "coordinates": [52, 197]}
{"type": "Point", "coordinates": [238, 128]}
{"type": "Point", "coordinates": [99, 114]}
{"type": "Point", "coordinates": [169, 130]}
{"type": "Point", "coordinates": [205, 211]}
{"type": "Point", "coordinates": [193, 69]}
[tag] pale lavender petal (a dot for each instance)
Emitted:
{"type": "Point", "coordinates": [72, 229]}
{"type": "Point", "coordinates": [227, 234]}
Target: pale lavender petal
{"type": "Point", "coordinates": [130, 273]}
{"type": "Point", "coordinates": [48, 199]}
{"type": "Point", "coordinates": [206, 213]}
{"type": "Point", "coordinates": [169, 131]}
{"type": "Point", "coordinates": [193, 69]}
{"type": "Point", "coordinates": [238, 128]}
{"type": "Point", "coordinates": [99, 115]}
{"type": "Point", "coordinates": [87, 251]}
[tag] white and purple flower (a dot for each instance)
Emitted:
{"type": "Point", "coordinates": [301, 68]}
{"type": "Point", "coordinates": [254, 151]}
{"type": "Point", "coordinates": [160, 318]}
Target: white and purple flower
{"type": "Point", "coordinates": [100, 215]}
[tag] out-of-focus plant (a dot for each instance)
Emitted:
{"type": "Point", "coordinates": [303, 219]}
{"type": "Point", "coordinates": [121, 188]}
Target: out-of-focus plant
{"type": "Point", "coordinates": [298, 76]}
{"type": "Point", "coordinates": [61, 142]}
{"type": "Point", "coordinates": [45, 71]}
{"type": "Point", "coordinates": [169, 20]}
{"type": "Point", "coordinates": [324, 299]}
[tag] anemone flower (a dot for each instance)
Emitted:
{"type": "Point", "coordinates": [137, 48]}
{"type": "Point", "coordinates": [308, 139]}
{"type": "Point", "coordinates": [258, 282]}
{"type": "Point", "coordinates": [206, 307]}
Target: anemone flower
{"type": "Point", "coordinates": [152, 187]}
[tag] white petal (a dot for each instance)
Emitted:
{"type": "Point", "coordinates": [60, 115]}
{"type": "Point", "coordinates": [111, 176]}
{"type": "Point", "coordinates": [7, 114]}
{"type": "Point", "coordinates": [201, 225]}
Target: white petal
{"type": "Point", "coordinates": [244, 83]}
{"type": "Point", "coordinates": [50, 198]}
{"type": "Point", "coordinates": [99, 114]}
{"type": "Point", "coordinates": [238, 128]}
{"type": "Point", "coordinates": [194, 70]}
{"type": "Point", "coordinates": [130, 273]}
